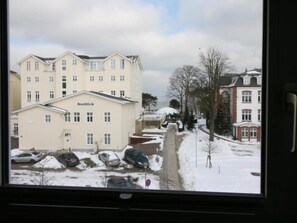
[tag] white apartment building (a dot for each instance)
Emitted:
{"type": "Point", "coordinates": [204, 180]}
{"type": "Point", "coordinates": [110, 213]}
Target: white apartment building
{"type": "Point", "coordinates": [44, 79]}
{"type": "Point", "coordinates": [79, 121]}
{"type": "Point", "coordinates": [14, 100]}
{"type": "Point", "coordinates": [79, 102]}
{"type": "Point", "coordinates": [244, 97]}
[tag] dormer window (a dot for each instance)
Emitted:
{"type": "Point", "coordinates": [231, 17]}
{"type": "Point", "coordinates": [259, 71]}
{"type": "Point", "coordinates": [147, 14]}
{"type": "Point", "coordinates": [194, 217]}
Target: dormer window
{"type": "Point", "coordinates": [225, 97]}
{"type": "Point", "coordinates": [63, 64]}
{"type": "Point", "coordinates": [246, 80]}
{"type": "Point", "coordinates": [259, 80]}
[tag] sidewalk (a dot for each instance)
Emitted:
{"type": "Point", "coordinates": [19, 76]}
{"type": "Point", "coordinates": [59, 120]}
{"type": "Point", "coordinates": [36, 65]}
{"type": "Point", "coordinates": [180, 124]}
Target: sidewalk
{"type": "Point", "coordinates": [169, 177]}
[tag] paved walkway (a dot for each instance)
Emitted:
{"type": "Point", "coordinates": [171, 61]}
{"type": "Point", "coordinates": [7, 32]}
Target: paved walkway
{"type": "Point", "coordinates": [169, 177]}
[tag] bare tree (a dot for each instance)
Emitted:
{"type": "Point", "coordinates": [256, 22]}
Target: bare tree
{"type": "Point", "coordinates": [42, 177]}
{"type": "Point", "coordinates": [181, 83]}
{"type": "Point", "coordinates": [209, 149]}
{"type": "Point", "coordinates": [214, 64]}
{"type": "Point", "coordinates": [175, 90]}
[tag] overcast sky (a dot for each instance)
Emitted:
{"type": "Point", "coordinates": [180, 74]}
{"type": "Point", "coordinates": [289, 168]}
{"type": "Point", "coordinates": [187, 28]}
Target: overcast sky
{"type": "Point", "coordinates": [166, 34]}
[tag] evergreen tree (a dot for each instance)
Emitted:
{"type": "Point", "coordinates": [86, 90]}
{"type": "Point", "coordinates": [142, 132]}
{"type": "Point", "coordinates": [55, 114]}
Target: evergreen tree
{"type": "Point", "coordinates": [190, 121]}
{"type": "Point", "coordinates": [222, 125]}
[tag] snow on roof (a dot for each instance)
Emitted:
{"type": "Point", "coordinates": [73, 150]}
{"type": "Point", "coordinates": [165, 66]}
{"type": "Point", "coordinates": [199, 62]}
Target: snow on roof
{"type": "Point", "coordinates": [167, 111]}
{"type": "Point", "coordinates": [253, 72]}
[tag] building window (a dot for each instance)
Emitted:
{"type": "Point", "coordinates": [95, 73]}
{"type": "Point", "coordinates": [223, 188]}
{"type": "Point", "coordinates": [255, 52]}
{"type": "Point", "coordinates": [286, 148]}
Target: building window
{"type": "Point", "coordinates": [244, 132]}
{"type": "Point", "coordinates": [63, 64]}
{"type": "Point", "coordinates": [28, 79]}
{"type": "Point", "coordinates": [53, 67]}
{"type": "Point", "coordinates": [51, 94]}
{"type": "Point", "coordinates": [112, 63]}
{"type": "Point", "coordinates": [36, 79]}
{"type": "Point", "coordinates": [112, 78]}
{"type": "Point", "coordinates": [246, 80]}
{"type": "Point", "coordinates": [36, 65]}
{"type": "Point", "coordinates": [259, 80]}
{"type": "Point", "coordinates": [246, 97]}
{"type": "Point", "coordinates": [76, 117]}
{"type": "Point", "coordinates": [259, 96]}
{"type": "Point", "coordinates": [15, 129]}
{"type": "Point", "coordinates": [64, 85]}
{"type": "Point", "coordinates": [64, 78]}
{"type": "Point", "coordinates": [47, 118]}
{"type": "Point", "coordinates": [67, 117]}
{"type": "Point", "coordinates": [93, 65]}
{"type": "Point", "coordinates": [122, 78]}
{"type": "Point", "coordinates": [113, 93]}
{"type": "Point", "coordinates": [246, 115]}
{"type": "Point", "coordinates": [28, 65]}
{"type": "Point", "coordinates": [100, 78]}
{"type": "Point", "coordinates": [259, 115]}
{"type": "Point", "coordinates": [51, 79]}
{"type": "Point", "coordinates": [253, 132]}
{"type": "Point", "coordinates": [122, 63]}
{"type": "Point", "coordinates": [122, 93]}
{"type": "Point", "coordinates": [74, 62]}
{"type": "Point", "coordinates": [100, 66]}
{"type": "Point", "coordinates": [106, 116]}
{"type": "Point", "coordinates": [91, 78]}
{"type": "Point", "coordinates": [90, 138]}
{"type": "Point", "coordinates": [89, 116]}
{"type": "Point", "coordinates": [64, 93]}
{"type": "Point", "coordinates": [225, 97]}
{"type": "Point", "coordinates": [74, 78]}
{"type": "Point", "coordinates": [107, 139]}
{"type": "Point", "coordinates": [37, 96]}
{"type": "Point", "coordinates": [74, 91]}
{"type": "Point", "coordinates": [28, 96]}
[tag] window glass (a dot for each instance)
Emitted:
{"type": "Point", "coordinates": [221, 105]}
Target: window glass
{"type": "Point", "coordinates": [182, 87]}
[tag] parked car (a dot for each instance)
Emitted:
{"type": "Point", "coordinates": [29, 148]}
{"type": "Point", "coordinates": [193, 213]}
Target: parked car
{"type": "Point", "coordinates": [68, 159]}
{"type": "Point", "coordinates": [119, 182]}
{"type": "Point", "coordinates": [27, 157]}
{"type": "Point", "coordinates": [109, 158]}
{"type": "Point", "coordinates": [136, 157]}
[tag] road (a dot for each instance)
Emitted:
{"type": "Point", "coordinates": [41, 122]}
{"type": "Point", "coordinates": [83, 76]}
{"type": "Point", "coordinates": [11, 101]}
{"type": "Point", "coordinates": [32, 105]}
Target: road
{"type": "Point", "coordinates": [169, 177]}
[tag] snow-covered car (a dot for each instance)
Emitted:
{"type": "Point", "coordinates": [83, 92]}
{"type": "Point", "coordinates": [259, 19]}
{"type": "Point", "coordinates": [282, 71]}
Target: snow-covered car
{"type": "Point", "coordinates": [119, 182]}
{"type": "Point", "coordinates": [136, 157]}
{"type": "Point", "coordinates": [109, 158]}
{"type": "Point", "coordinates": [68, 159]}
{"type": "Point", "coordinates": [27, 157]}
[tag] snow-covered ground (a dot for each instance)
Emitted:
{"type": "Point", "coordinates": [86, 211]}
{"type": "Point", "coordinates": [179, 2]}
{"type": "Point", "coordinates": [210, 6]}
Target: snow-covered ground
{"type": "Point", "coordinates": [235, 167]}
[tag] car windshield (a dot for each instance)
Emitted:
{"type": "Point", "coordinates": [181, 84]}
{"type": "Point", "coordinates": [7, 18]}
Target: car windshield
{"type": "Point", "coordinates": [112, 155]}
{"type": "Point", "coordinates": [123, 183]}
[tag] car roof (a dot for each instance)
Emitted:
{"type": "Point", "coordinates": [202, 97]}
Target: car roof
{"type": "Point", "coordinates": [133, 150]}
{"type": "Point", "coordinates": [67, 154]}
{"type": "Point", "coordinates": [111, 154]}
{"type": "Point", "coordinates": [117, 179]}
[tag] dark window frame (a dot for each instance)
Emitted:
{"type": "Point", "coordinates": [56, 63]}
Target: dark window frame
{"type": "Point", "coordinates": [106, 204]}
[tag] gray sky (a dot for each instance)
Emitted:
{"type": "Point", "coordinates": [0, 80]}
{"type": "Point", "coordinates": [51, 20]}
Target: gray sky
{"type": "Point", "coordinates": [166, 34]}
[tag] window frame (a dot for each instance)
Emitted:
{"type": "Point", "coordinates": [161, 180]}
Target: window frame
{"type": "Point", "coordinates": [246, 96]}
{"type": "Point", "coordinates": [179, 206]}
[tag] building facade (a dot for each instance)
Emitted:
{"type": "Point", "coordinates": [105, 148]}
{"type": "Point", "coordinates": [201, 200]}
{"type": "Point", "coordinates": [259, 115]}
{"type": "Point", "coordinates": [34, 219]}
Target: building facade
{"type": "Point", "coordinates": [15, 91]}
{"type": "Point", "coordinates": [45, 79]}
{"type": "Point", "coordinates": [79, 102]}
{"type": "Point", "coordinates": [14, 101]}
{"type": "Point", "coordinates": [243, 94]}
{"type": "Point", "coordinates": [80, 121]}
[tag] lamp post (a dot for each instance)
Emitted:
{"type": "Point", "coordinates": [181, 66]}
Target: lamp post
{"type": "Point", "coordinates": [196, 145]}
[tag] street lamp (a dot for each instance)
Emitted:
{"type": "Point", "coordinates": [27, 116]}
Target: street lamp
{"type": "Point", "coordinates": [196, 130]}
